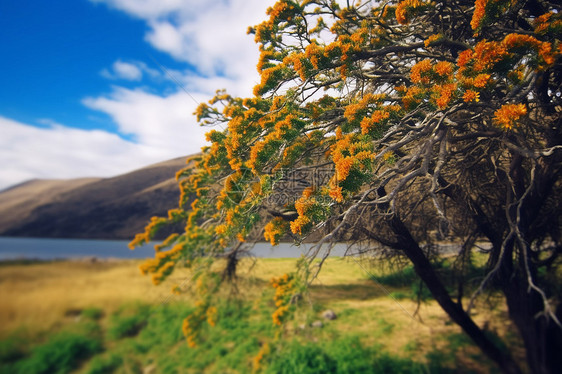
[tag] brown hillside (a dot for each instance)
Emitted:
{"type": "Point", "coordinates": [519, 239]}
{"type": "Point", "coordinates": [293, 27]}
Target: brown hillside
{"type": "Point", "coordinates": [96, 208]}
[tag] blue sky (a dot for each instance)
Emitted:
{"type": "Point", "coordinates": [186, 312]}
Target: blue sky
{"type": "Point", "coordinates": [89, 87]}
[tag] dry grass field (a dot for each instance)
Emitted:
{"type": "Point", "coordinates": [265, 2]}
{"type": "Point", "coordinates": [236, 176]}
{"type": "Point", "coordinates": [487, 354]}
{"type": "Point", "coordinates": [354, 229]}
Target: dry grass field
{"type": "Point", "coordinates": [42, 298]}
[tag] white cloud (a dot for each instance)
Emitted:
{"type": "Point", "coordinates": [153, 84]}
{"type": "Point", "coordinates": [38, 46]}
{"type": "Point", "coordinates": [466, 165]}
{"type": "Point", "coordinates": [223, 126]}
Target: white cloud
{"type": "Point", "coordinates": [28, 152]}
{"type": "Point", "coordinates": [161, 122]}
{"type": "Point", "coordinates": [127, 71]}
{"type": "Point", "coordinates": [147, 9]}
{"type": "Point", "coordinates": [209, 35]}
{"type": "Point", "coordinates": [132, 71]}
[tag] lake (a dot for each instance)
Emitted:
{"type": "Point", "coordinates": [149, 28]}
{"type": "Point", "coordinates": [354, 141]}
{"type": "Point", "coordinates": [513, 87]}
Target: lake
{"type": "Point", "coordinates": [50, 249]}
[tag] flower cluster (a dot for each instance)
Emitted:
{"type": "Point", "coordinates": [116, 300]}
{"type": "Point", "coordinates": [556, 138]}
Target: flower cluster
{"type": "Point", "coordinates": [350, 156]}
{"type": "Point", "coordinates": [285, 288]}
{"type": "Point", "coordinates": [302, 65]}
{"type": "Point", "coordinates": [355, 112]}
{"type": "Point", "coordinates": [411, 96]}
{"type": "Point", "coordinates": [432, 39]}
{"type": "Point", "coordinates": [407, 7]}
{"type": "Point", "coordinates": [471, 95]}
{"type": "Point", "coordinates": [508, 115]}
{"type": "Point", "coordinates": [487, 10]}
{"type": "Point", "coordinates": [479, 13]}
{"type": "Point", "coordinates": [275, 230]}
{"type": "Point", "coordinates": [211, 314]}
{"type": "Point", "coordinates": [519, 41]}
{"type": "Point", "coordinates": [189, 331]}
{"type": "Point", "coordinates": [443, 68]}
{"type": "Point", "coordinates": [258, 359]}
{"type": "Point", "coordinates": [444, 93]}
{"type": "Point", "coordinates": [548, 23]}
{"type": "Point", "coordinates": [346, 154]}
{"type": "Point", "coordinates": [419, 70]}
{"type": "Point", "coordinates": [270, 78]}
{"type": "Point", "coordinates": [149, 231]}
{"type": "Point", "coordinates": [487, 55]}
{"type": "Point", "coordinates": [303, 205]}
{"type": "Point", "coordinates": [314, 53]}
{"type": "Point", "coordinates": [377, 117]}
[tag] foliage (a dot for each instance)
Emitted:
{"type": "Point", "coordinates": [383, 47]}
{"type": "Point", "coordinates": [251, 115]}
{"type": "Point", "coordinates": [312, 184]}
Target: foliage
{"type": "Point", "coordinates": [128, 321]}
{"type": "Point", "coordinates": [92, 313]}
{"type": "Point", "coordinates": [103, 365]}
{"type": "Point", "coordinates": [403, 123]}
{"type": "Point", "coordinates": [61, 353]}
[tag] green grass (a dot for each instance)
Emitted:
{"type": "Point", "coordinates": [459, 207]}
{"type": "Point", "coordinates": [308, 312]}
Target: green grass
{"type": "Point", "coordinates": [139, 336]}
{"type": "Point", "coordinates": [60, 353]}
{"type": "Point", "coordinates": [92, 313]}
{"type": "Point", "coordinates": [410, 287]}
{"type": "Point", "coordinates": [128, 321]}
{"type": "Point", "coordinates": [347, 355]}
{"type": "Point", "coordinates": [371, 334]}
{"type": "Point", "coordinates": [105, 364]}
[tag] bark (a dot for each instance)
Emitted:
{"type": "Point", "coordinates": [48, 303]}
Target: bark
{"type": "Point", "coordinates": [423, 268]}
{"type": "Point", "coordinates": [541, 336]}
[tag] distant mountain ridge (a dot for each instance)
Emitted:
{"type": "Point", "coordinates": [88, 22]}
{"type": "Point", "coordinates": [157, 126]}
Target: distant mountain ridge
{"type": "Point", "coordinates": [90, 208]}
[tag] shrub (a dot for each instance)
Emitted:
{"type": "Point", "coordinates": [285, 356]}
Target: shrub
{"type": "Point", "coordinates": [92, 313]}
{"type": "Point", "coordinates": [128, 321]}
{"type": "Point", "coordinates": [104, 365]}
{"type": "Point", "coordinates": [60, 354]}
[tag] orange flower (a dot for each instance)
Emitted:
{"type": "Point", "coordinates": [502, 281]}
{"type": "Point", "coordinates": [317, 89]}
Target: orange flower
{"type": "Point", "coordinates": [479, 13]}
{"type": "Point", "coordinates": [543, 49]}
{"type": "Point", "coordinates": [368, 122]}
{"type": "Point", "coordinates": [411, 96]}
{"type": "Point", "coordinates": [481, 80]}
{"type": "Point", "coordinates": [471, 95]}
{"type": "Point", "coordinates": [274, 230]}
{"type": "Point", "coordinates": [313, 52]}
{"type": "Point", "coordinates": [464, 57]}
{"type": "Point", "coordinates": [402, 10]}
{"type": "Point", "coordinates": [432, 38]}
{"type": "Point", "coordinates": [508, 115]}
{"type": "Point", "coordinates": [336, 193]}
{"type": "Point", "coordinates": [298, 224]}
{"type": "Point", "coordinates": [401, 13]}
{"type": "Point", "coordinates": [487, 54]}
{"type": "Point", "coordinates": [443, 68]}
{"type": "Point", "coordinates": [257, 360]}
{"type": "Point", "coordinates": [445, 91]}
{"type": "Point", "coordinates": [542, 24]}
{"type": "Point", "coordinates": [220, 229]}
{"type": "Point", "coordinates": [545, 52]}
{"type": "Point", "coordinates": [418, 69]}
{"type": "Point", "coordinates": [211, 315]}
{"type": "Point", "coordinates": [296, 59]}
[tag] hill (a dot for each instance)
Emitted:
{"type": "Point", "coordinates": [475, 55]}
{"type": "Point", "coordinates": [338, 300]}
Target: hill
{"type": "Point", "coordinates": [90, 208]}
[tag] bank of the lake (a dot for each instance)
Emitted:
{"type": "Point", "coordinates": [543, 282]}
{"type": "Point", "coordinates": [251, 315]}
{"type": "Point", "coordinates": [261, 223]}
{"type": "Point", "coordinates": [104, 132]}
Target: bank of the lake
{"type": "Point", "coordinates": [51, 249]}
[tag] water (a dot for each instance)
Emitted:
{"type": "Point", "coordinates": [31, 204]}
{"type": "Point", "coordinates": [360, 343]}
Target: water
{"type": "Point", "coordinates": [50, 249]}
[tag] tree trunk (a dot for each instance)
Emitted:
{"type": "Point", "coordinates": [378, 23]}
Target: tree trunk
{"type": "Point", "coordinates": [541, 336]}
{"type": "Point", "coordinates": [425, 271]}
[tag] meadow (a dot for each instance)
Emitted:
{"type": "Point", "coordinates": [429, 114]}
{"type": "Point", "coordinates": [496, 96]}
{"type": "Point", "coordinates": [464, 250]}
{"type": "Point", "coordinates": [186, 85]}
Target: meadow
{"type": "Point", "coordinates": [104, 316]}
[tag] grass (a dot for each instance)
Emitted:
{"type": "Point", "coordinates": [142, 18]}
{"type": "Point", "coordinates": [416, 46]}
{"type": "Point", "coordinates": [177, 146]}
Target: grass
{"type": "Point", "coordinates": [111, 319]}
{"type": "Point", "coordinates": [61, 352]}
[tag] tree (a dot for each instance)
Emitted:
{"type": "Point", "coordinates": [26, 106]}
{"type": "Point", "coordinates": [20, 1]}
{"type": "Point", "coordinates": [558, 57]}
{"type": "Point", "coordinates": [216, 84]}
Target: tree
{"type": "Point", "coordinates": [432, 120]}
